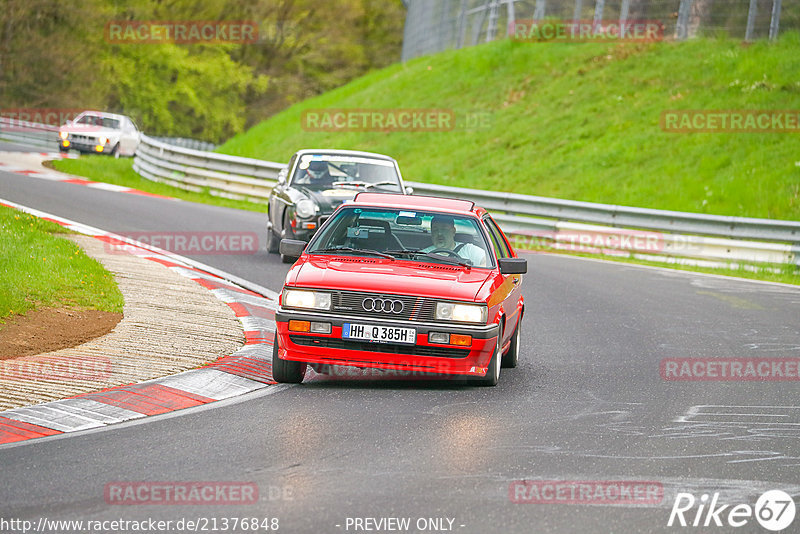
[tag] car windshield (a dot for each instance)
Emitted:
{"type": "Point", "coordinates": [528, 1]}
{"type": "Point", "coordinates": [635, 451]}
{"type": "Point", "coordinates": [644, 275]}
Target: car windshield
{"type": "Point", "coordinates": [394, 233]}
{"type": "Point", "coordinates": [320, 172]}
{"type": "Point", "coordinates": [96, 120]}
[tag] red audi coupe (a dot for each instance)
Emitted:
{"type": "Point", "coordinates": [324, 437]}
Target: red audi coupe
{"type": "Point", "coordinates": [412, 283]}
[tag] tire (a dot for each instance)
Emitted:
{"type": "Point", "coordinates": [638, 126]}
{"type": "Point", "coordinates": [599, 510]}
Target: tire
{"type": "Point", "coordinates": [273, 243]}
{"type": "Point", "coordinates": [511, 358]}
{"type": "Point", "coordinates": [493, 374]}
{"type": "Point", "coordinates": [287, 233]}
{"type": "Point", "coordinates": [286, 371]}
{"type": "Point", "coordinates": [115, 152]}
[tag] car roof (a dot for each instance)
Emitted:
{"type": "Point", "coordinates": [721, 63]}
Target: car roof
{"type": "Point", "coordinates": [338, 152]}
{"type": "Point", "coordinates": [389, 200]}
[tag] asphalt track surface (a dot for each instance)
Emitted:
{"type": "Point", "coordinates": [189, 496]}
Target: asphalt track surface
{"type": "Point", "coordinates": [587, 403]}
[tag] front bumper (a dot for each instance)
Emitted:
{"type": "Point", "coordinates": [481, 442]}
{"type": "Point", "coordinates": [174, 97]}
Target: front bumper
{"type": "Point", "coordinates": [84, 146]}
{"type": "Point", "coordinates": [422, 356]}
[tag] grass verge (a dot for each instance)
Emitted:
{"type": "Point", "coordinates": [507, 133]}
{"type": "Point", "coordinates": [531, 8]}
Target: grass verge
{"type": "Point", "coordinates": [40, 269]}
{"type": "Point", "coordinates": [120, 172]}
{"type": "Point", "coordinates": [578, 121]}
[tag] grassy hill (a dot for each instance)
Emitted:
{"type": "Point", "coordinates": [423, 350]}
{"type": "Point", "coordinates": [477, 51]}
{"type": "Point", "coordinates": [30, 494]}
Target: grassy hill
{"type": "Point", "coordinates": [579, 121]}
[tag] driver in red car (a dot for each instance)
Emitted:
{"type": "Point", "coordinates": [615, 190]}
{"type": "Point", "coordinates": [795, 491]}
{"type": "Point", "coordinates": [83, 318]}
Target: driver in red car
{"type": "Point", "coordinates": [443, 233]}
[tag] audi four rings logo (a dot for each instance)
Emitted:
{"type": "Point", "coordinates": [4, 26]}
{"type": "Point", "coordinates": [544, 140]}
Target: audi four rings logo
{"type": "Point", "coordinates": [382, 305]}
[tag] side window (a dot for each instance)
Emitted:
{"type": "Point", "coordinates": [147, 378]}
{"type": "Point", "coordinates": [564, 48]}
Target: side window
{"type": "Point", "coordinates": [500, 245]}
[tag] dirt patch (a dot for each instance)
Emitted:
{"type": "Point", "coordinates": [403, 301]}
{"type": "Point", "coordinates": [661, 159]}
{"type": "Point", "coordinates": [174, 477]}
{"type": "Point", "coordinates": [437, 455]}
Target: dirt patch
{"type": "Point", "coordinates": [50, 329]}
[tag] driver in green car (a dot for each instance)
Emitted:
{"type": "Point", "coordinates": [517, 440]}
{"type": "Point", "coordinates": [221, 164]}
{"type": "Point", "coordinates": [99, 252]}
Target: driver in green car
{"type": "Point", "coordinates": [443, 233]}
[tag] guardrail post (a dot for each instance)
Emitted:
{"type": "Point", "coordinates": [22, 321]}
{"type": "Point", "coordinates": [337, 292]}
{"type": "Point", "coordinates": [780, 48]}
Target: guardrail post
{"type": "Point", "coordinates": [751, 20]}
{"type": "Point", "coordinates": [775, 20]}
{"type": "Point", "coordinates": [576, 16]}
{"type": "Point", "coordinates": [682, 26]}
{"type": "Point", "coordinates": [511, 16]}
{"type": "Point", "coordinates": [538, 11]}
{"type": "Point", "coordinates": [623, 12]}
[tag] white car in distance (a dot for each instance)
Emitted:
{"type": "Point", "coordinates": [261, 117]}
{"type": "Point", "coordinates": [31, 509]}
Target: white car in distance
{"type": "Point", "coordinates": [100, 133]}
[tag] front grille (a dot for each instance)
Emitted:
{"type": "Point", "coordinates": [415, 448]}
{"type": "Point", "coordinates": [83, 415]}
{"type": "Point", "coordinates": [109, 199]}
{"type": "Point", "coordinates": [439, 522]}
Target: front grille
{"type": "Point", "coordinates": [351, 303]}
{"type": "Point", "coordinates": [407, 350]}
{"type": "Point", "coordinates": [83, 138]}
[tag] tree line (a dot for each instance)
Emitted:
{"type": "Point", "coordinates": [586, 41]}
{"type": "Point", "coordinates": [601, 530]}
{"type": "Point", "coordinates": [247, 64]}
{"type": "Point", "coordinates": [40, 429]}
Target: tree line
{"type": "Point", "coordinates": [61, 55]}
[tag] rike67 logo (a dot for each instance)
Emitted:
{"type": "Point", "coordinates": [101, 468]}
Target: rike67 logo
{"type": "Point", "coordinates": [774, 510]}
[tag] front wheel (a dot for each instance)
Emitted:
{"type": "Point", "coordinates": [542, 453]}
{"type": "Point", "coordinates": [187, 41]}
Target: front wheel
{"type": "Point", "coordinates": [288, 233]}
{"type": "Point", "coordinates": [273, 243]}
{"type": "Point", "coordinates": [115, 151]}
{"type": "Point", "coordinates": [286, 371]}
{"type": "Point", "coordinates": [493, 373]}
{"type": "Point", "coordinates": [511, 358]}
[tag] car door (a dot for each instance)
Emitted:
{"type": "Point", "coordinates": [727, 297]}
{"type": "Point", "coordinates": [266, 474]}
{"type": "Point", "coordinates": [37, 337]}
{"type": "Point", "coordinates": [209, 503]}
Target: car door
{"type": "Point", "coordinates": [509, 290]}
{"type": "Point", "coordinates": [278, 198]}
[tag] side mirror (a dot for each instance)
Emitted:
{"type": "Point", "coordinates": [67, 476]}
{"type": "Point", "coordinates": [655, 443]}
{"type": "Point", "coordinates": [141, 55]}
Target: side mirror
{"type": "Point", "coordinates": [513, 265]}
{"type": "Point", "coordinates": [409, 190]}
{"type": "Point", "coordinates": [292, 247]}
{"type": "Point", "coordinates": [282, 176]}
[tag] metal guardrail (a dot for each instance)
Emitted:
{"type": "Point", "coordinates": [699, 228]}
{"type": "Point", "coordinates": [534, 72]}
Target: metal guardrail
{"type": "Point", "coordinates": [30, 133]}
{"type": "Point", "coordinates": [184, 142]}
{"type": "Point", "coordinates": [531, 221]}
{"type": "Point", "coordinates": [196, 170]}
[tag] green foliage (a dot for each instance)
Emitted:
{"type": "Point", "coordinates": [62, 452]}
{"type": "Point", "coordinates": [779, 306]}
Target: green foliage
{"type": "Point", "coordinates": [39, 269]}
{"type": "Point", "coordinates": [56, 55]}
{"type": "Point", "coordinates": [188, 93]}
{"type": "Point", "coordinates": [579, 121]}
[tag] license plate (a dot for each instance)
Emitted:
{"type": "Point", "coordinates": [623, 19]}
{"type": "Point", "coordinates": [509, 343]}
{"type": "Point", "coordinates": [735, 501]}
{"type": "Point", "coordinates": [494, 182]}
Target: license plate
{"type": "Point", "coordinates": [379, 334]}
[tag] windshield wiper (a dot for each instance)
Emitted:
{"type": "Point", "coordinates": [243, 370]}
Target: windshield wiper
{"type": "Point", "coordinates": [355, 184]}
{"type": "Point", "coordinates": [388, 182]}
{"type": "Point", "coordinates": [351, 249]}
{"type": "Point", "coordinates": [431, 255]}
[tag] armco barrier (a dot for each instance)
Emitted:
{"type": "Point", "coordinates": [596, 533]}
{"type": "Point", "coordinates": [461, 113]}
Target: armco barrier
{"type": "Point", "coordinates": [195, 170]}
{"type": "Point", "coordinates": [29, 133]}
{"type": "Point", "coordinates": [689, 236]}
{"type": "Point", "coordinates": [686, 236]}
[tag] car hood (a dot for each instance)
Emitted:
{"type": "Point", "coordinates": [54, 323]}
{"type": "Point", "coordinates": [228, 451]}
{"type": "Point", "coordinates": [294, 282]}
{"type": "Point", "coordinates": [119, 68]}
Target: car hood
{"type": "Point", "coordinates": [377, 275]}
{"type": "Point", "coordinates": [329, 199]}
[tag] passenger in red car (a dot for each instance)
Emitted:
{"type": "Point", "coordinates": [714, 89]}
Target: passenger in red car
{"type": "Point", "coordinates": [443, 233]}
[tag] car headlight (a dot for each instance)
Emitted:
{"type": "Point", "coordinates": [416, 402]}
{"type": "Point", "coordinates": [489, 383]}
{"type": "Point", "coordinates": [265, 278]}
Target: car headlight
{"type": "Point", "coordinates": [463, 313]}
{"type": "Point", "coordinates": [305, 208]}
{"type": "Point", "coordinates": [63, 135]}
{"type": "Point", "coordinates": [311, 300]}
{"type": "Point", "coordinates": [103, 141]}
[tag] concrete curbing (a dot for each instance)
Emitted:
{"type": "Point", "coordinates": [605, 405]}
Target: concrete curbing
{"type": "Point", "coordinates": [247, 369]}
